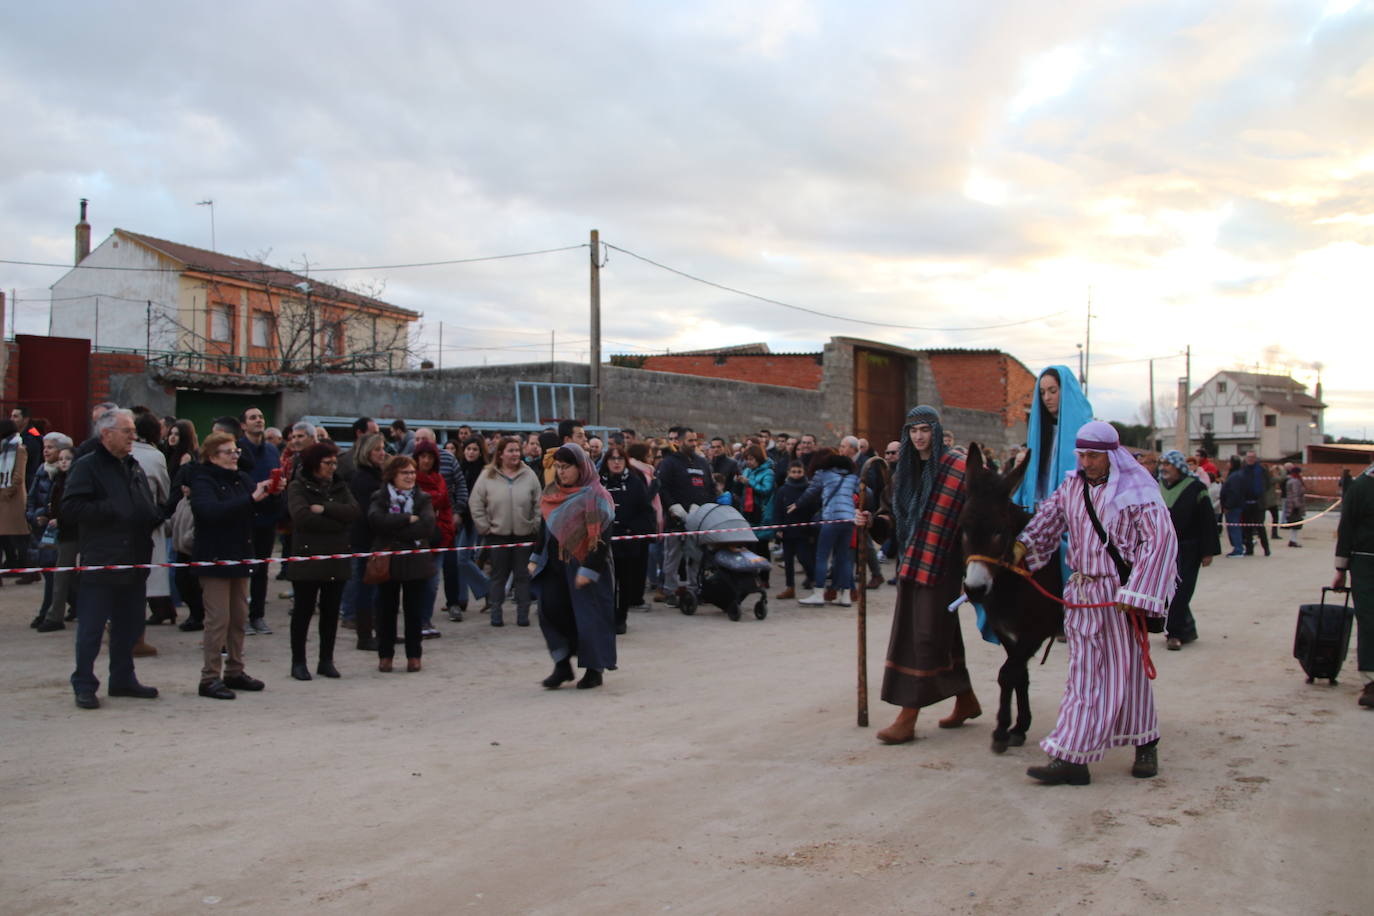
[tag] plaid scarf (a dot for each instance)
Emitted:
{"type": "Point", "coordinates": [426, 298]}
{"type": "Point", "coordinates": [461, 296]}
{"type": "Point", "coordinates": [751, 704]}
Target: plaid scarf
{"type": "Point", "coordinates": [933, 535]}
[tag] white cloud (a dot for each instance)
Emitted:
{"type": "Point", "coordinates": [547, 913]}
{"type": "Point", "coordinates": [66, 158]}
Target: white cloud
{"type": "Point", "coordinates": [1204, 168]}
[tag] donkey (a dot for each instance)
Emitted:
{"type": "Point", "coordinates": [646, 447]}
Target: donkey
{"type": "Point", "coordinates": [1021, 617]}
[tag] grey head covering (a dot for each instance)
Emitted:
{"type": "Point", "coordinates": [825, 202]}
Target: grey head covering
{"type": "Point", "coordinates": [1175, 457]}
{"type": "Point", "coordinates": [912, 479]}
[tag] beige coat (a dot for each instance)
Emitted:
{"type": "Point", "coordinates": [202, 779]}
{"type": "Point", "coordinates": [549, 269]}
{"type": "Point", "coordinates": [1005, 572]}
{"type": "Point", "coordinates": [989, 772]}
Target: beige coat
{"type": "Point", "coordinates": [505, 505]}
{"type": "Point", "coordinates": [14, 498]}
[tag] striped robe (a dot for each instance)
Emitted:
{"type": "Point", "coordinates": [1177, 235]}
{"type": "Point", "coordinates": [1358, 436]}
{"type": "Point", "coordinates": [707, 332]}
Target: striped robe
{"type": "Point", "coordinates": [1107, 700]}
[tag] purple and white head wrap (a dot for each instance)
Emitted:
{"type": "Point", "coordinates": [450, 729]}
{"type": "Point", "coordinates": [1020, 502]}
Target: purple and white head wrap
{"type": "Point", "coordinates": [1128, 484]}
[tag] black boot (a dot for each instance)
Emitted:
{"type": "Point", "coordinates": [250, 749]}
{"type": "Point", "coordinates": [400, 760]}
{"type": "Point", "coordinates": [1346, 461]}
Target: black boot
{"type": "Point", "coordinates": [1146, 760]}
{"type": "Point", "coordinates": [362, 621]}
{"type": "Point", "coordinates": [562, 673]}
{"type": "Point", "coordinates": [160, 610]}
{"type": "Point", "coordinates": [299, 671]}
{"type": "Point", "coordinates": [1058, 772]}
{"type": "Point", "coordinates": [589, 680]}
{"type": "Point", "coordinates": [326, 668]}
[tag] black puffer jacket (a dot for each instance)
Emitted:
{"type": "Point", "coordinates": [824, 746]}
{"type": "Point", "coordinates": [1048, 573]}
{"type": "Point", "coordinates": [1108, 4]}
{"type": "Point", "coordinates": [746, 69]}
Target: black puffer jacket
{"type": "Point", "coordinates": [393, 531]}
{"type": "Point", "coordinates": [222, 503]}
{"type": "Point", "coordinates": [315, 533]}
{"type": "Point", "coordinates": [634, 508]}
{"type": "Point", "coordinates": [111, 502]}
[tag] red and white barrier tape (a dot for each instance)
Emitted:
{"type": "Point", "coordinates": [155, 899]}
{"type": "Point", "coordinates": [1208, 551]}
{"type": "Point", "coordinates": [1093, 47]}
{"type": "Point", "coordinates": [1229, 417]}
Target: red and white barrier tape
{"type": "Point", "coordinates": [255, 561]}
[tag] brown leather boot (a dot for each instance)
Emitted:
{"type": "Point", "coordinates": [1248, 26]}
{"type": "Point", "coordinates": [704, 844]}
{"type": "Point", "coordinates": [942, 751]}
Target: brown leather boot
{"type": "Point", "coordinates": [965, 707]}
{"type": "Point", "coordinates": [903, 728]}
{"type": "Point", "coordinates": [786, 593]}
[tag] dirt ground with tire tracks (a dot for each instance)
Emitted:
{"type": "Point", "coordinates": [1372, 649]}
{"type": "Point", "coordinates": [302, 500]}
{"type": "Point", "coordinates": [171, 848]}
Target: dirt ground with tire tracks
{"type": "Point", "coordinates": [718, 771]}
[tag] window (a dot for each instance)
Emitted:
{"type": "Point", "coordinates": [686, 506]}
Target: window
{"type": "Point", "coordinates": [1271, 420]}
{"type": "Point", "coordinates": [1239, 418]}
{"type": "Point", "coordinates": [1207, 420]}
{"type": "Point", "coordinates": [329, 340]}
{"type": "Point", "coordinates": [262, 329]}
{"type": "Point", "coordinates": [222, 323]}
{"type": "Point", "coordinates": [1221, 387]}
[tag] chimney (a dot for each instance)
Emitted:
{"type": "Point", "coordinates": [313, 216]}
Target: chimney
{"type": "Point", "coordinates": [83, 235]}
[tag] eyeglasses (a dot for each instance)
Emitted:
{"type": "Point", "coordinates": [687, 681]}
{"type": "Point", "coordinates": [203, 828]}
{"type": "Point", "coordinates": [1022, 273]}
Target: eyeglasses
{"type": "Point", "coordinates": [231, 450]}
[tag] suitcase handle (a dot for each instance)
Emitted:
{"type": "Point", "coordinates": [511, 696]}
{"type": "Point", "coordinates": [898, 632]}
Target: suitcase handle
{"type": "Point", "coordinates": [1330, 589]}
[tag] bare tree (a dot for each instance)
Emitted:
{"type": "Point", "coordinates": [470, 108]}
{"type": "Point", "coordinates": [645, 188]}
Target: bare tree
{"type": "Point", "coordinates": [309, 326]}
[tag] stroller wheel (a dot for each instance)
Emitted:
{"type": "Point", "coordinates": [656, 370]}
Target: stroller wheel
{"type": "Point", "coordinates": [733, 611]}
{"type": "Point", "coordinates": [687, 603]}
{"type": "Point", "coordinates": [761, 608]}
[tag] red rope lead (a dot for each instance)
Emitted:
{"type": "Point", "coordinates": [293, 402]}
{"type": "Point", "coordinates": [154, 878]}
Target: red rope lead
{"type": "Point", "coordinates": [1142, 639]}
{"type": "Point", "coordinates": [1138, 626]}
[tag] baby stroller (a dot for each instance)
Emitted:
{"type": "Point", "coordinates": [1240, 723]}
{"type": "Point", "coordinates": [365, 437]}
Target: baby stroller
{"type": "Point", "coordinates": [726, 568]}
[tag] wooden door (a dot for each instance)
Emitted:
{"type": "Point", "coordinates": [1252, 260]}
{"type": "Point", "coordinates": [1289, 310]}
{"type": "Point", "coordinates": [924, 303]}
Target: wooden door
{"type": "Point", "coordinates": [879, 396]}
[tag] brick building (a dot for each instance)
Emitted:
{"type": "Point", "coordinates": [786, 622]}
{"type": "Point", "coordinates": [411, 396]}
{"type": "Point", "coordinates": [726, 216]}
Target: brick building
{"type": "Point", "coordinates": [984, 380]}
{"type": "Point", "coordinates": [203, 311]}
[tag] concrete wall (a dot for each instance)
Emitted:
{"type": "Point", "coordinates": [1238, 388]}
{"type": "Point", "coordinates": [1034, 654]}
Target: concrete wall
{"type": "Point", "coordinates": [653, 401]}
{"type": "Point", "coordinates": [131, 389]}
{"type": "Point", "coordinates": [646, 401]}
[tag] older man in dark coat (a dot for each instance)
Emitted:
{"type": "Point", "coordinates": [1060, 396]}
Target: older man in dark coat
{"type": "Point", "coordinates": [108, 497]}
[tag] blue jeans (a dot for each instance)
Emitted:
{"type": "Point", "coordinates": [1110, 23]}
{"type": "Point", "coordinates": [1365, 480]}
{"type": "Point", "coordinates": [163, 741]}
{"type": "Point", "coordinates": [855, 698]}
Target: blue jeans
{"type": "Point", "coordinates": [656, 564]}
{"type": "Point", "coordinates": [357, 593]}
{"type": "Point", "coordinates": [122, 607]}
{"type": "Point", "coordinates": [431, 593]}
{"type": "Point", "coordinates": [462, 575]}
{"type": "Point", "coordinates": [1233, 530]}
{"type": "Point", "coordinates": [833, 541]}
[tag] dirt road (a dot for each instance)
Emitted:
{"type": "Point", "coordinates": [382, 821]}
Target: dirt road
{"type": "Point", "coordinates": [718, 771]}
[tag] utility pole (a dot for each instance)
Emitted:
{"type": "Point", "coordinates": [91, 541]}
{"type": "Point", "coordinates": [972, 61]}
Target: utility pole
{"type": "Point", "coordinates": [1152, 405]}
{"type": "Point", "coordinates": [441, 345]}
{"type": "Point", "coordinates": [1088, 343]}
{"type": "Point", "coordinates": [594, 402]}
{"type": "Point", "coordinates": [1185, 390]}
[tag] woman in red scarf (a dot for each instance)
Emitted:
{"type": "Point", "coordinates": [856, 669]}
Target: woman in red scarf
{"type": "Point", "coordinates": [572, 570]}
{"type": "Point", "coordinates": [429, 479]}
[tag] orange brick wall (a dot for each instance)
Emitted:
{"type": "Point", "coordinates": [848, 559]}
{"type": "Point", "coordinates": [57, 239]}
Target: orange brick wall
{"type": "Point", "coordinates": [984, 381]}
{"type": "Point", "coordinates": [790, 370]}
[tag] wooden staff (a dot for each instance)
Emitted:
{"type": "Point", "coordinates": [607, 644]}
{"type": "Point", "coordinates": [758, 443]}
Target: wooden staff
{"type": "Point", "coordinates": [861, 608]}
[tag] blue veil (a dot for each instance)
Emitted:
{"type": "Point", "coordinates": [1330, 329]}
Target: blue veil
{"type": "Point", "coordinates": [1051, 443]}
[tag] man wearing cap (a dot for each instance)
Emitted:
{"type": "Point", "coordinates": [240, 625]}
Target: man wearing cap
{"type": "Point", "coordinates": [1107, 700]}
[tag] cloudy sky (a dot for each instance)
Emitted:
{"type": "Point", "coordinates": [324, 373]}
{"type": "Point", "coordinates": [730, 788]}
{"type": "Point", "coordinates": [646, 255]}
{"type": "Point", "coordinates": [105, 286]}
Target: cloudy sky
{"type": "Point", "coordinates": [1203, 171]}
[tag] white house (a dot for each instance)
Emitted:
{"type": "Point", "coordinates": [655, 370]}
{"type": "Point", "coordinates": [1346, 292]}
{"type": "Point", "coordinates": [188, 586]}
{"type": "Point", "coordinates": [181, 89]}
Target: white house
{"type": "Point", "coordinates": [207, 311]}
{"type": "Point", "coordinates": [1271, 414]}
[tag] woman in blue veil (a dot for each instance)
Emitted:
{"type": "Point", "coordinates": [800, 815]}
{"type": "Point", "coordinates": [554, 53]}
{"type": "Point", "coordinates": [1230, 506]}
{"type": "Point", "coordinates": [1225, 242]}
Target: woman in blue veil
{"type": "Point", "coordinates": [1060, 408]}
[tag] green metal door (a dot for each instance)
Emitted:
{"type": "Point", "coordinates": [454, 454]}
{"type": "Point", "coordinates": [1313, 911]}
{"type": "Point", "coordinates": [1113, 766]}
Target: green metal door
{"type": "Point", "coordinates": [202, 407]}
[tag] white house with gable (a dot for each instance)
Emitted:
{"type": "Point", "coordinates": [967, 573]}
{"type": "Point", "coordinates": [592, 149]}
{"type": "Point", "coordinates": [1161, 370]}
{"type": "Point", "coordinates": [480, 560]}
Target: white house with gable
{"type": "Point", "coordinates": [1271, 414]}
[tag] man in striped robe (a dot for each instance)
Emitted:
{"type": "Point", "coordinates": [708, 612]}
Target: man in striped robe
{"type": "Point", "coordinates": [1107, 700]}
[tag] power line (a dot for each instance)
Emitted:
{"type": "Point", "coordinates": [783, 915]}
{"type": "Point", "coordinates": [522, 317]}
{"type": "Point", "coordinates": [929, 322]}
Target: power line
{"type": "Point", "coordinates": [809, 311]}
{"type": "Point", "coordinates": [267, 268]}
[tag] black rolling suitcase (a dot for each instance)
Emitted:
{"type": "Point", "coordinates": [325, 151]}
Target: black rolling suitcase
{"type": "Point", "coordinates": [1323, 637]}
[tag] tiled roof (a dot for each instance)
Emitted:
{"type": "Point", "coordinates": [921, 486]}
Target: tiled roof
{"type": "Point", "coordinates": [214, 262]}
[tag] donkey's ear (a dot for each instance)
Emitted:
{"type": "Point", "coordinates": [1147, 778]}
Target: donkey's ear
{"type": "Point", "coordinates": [1012, 480]}
{"type": "Point", "coordinates": [974, 464]}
